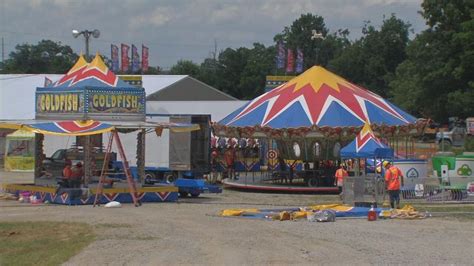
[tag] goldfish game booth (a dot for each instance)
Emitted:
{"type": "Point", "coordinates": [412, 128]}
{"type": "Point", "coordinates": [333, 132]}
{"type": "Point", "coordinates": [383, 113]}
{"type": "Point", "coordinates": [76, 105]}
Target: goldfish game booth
{"type": "Point", "coordinates": [87, 102]}
{"type": "Point", "coordinates": [301, 127]}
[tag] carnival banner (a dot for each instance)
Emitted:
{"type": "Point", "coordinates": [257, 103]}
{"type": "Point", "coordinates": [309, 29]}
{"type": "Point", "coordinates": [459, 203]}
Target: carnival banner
{"type": "Point", "coordinates": [114, 51]}
{"type": "Point", "coordinates": [280, 56]}
{"type": "Point", "coordinates": [290, 64]}
{"type": "Point", "coordinates": [135, 59]}
{"type": "Point", "coordinates": [144, 58]}
{"type": "Point", "coordinates": [299, 60]}
{"type": "Point", "coordinates": [125, 58]}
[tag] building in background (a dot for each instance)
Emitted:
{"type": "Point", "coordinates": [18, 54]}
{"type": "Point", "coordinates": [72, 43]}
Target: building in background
{"type": "Point", "coordinates": [167, 95]}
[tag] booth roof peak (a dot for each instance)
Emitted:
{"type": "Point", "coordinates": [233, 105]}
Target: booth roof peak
{"type": "Point", "coordinates": [95, 70]}
{"type": "Point", "coordinates": [80, 64]}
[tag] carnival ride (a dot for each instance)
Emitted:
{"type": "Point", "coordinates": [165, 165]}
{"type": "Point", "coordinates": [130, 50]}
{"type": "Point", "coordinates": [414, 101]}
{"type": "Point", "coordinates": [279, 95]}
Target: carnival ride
{"type": "Point", "coordinates": [86, 101]}
{"type": "Point", "coordinates": [302, 124]}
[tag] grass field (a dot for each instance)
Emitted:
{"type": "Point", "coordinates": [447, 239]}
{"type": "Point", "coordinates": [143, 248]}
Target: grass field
{"type": "Point", "coordinates": [42, 243]}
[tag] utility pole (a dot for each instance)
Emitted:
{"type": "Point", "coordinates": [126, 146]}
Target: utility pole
{"type": "Point", "coordinates": [87, 34]}
{"type": "Point", "coordinates": [3, 51]}
{"type": "Point", "coordinates": [215, 49]}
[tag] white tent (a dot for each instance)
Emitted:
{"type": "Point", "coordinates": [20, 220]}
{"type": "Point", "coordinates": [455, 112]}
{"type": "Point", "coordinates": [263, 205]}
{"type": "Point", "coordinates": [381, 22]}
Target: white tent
{"type": "Point", "coordinates": [17, 101]}
{"type": "Point", "coordinates": [17, 91]}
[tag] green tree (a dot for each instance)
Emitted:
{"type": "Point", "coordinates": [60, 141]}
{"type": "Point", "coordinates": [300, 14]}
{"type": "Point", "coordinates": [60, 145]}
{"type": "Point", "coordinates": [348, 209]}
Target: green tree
{"type": "Point", "coordinates": [153, 70]}
{"type": "Point", "coordinates": [298, 35]}
{"type": "Point", "coordinates": [45, 57]}
{"type": "Point", "coordinates": [241, 72]}
{"type": "Point", "coordinates": [371, 61]}
{"type": "Point", "coordinates": [185, 67]}
{"type": "Point", "coordinates": [260, 63]}
{"type": "Point", "coordinates": [440, 62]}
{"type": "Point", "coordinates": [316, 51]}
{"type": "Point", "coordinates": [231, 65]}
{"type": "Point", "coordinates": [208, 71]}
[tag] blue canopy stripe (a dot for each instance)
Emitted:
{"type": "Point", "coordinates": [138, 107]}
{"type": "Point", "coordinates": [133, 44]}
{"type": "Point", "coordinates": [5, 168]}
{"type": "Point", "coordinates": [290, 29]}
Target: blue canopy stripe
{"type": "Point", "coordinates": [318, 98]}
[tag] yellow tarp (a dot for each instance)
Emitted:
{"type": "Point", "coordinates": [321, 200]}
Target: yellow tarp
{"type": "Point", "coordinates": [285, 215]}
{"type": "Point", "coordinates": [237, 212]}
{"type": "Point", "coordinates": [408, 212]}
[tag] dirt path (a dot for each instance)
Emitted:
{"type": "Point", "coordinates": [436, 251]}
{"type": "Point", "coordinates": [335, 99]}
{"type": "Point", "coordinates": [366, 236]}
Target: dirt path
{"type": "Point", "coordinates": [191, 233]}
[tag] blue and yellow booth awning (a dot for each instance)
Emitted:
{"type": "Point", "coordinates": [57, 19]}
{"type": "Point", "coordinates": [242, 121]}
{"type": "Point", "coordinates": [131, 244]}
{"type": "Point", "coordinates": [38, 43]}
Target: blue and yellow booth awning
{"type": "Point", "coordinates": [89, 127]}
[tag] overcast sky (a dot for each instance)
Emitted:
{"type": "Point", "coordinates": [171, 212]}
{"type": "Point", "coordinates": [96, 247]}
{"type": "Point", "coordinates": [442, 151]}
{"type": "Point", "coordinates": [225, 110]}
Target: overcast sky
{"type": "Point", "coordinates": [184, 29]}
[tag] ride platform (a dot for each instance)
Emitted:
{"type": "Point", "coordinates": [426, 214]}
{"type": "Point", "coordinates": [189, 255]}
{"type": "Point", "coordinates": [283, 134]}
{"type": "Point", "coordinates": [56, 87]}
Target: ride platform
{"type": "Point", "coordinates": [86, 196]}
{"type": "Point", "coordinates": [256, 184]}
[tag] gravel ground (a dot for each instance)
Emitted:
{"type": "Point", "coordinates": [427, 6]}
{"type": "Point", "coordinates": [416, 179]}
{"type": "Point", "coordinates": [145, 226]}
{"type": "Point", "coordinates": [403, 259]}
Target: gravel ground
{"type": "Point", "coordinates": [190, 232]}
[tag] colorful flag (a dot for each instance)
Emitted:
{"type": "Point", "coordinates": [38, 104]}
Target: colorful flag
{"type": "Point", "coordinates": [280, 56]}
{"type": "Point", "coordinates": [47, 82]}
{"type": "Point", "coordinates": [125, 58]}
{"type": "Point", "coordinates": [290, 64]}
{"type": "Point", "coordinates": [299, 60]}
{"type": "Point", "coordinates": [114, 57]}
{"type": "Point", "coordinates": [135, 59]}
{"type": "Point", "coordinates": [144, 58]}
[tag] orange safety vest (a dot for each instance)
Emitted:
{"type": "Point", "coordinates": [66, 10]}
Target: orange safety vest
{"type": "Point", "coordinates": [392, 178]}
{"type": "Point", "coordinates": [340, 174]}
{"type": "Point", "coordinates": [67, 172]}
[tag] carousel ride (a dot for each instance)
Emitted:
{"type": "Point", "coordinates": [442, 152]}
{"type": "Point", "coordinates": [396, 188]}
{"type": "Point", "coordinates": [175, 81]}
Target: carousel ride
{"type": "Point", "coordinates": [301, 127]}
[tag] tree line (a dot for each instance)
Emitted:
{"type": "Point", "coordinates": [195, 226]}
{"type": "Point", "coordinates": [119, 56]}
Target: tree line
{"type": "Point", "coordinates": [430, 75]}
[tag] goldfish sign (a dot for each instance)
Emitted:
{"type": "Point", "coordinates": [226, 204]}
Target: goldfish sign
{"type": "Point", "coordinates": [59, 102]}
{"type": "Point", "coordinates": [91, 103]}
{"type": "Point", "coordinates": [101, 102]}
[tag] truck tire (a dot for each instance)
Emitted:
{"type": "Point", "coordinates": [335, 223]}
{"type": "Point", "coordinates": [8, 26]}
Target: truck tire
{"type": "Point", "coordinates": [195, 194]}
{"type": "Point", "coordinates": [447, 144]}
{"type": "Point", "coordinates": [170, 178]}
{"type": "Point", "coordinates": [183, 194]}
{"type": "Point", "coordinates": [312, 182]}
{"type": "Point", "coordinates": [150, 178]}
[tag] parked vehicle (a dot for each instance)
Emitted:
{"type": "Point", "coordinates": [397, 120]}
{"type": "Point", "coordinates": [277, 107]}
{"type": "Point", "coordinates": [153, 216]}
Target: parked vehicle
{"type": "Point", "coordinates": [429, 131]}
{"type": "Point", "coordinates": [55, 164]}
{"type": "Point", "coordinates": [470, 126]}
{"type": "Point", "coordinates": [189, 157]}
{"type": "Point", "coordinates": [455, 136]}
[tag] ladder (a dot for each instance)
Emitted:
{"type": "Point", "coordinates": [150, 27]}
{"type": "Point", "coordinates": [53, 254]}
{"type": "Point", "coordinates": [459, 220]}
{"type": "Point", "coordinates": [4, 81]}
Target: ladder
{"type": "Point", "coordinates": [131, 183]}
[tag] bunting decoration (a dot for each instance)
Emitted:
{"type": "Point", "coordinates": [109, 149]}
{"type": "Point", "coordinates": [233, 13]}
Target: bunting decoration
{"type": "Point", "coordinates": [135, 60]}
{"type": "Point", "coordinates": [299, 60]}
{"type": "Point", "coordinates": [290, 64]}
{"type": "Point", "coordinates": [144, 58]}
{"type": "Point", "coordinates": [114, 51]}
{"type": "Point", "coordinates": [281, 56]}
{"type": "Point", "coordinates": [125, 58]}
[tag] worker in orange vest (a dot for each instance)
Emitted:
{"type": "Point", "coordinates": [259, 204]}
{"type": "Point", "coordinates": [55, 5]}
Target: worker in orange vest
{"type": "Point", "coordinates": [393, 179]}
{"type": "Point", "coordinates": [339, 178]}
